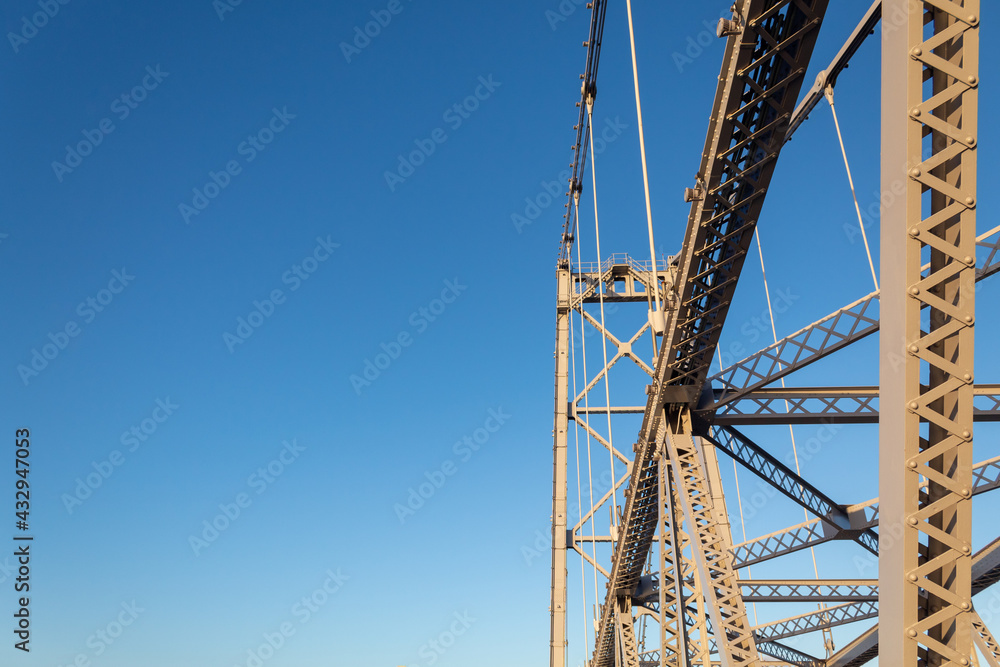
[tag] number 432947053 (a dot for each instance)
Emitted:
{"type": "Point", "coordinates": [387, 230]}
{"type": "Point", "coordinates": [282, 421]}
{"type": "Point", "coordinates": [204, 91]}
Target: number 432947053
{"type": "Point", "coordinates": [21, 466]}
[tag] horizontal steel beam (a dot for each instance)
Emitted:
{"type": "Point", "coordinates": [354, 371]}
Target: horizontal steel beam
{"type": "Point", "coordinates": [818, 340]}
{"type": "Point", "coordinates": [827, 405]}
{"type": "Point", "coordinates": [810, 590]}
{"type": "Point", "coordinates": [985, 572]}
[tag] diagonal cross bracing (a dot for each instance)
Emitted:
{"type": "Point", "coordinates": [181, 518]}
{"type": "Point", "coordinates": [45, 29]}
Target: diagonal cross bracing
{"type": "Point", "coordinates": [768, 468]}
{"type": "Point", "coordinates": [762, 73]}
{"type": "Point", "coordinates": [820, 339]}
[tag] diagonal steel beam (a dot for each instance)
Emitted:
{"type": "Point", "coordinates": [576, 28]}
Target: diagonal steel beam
{"type": "Point", "coordinates": [720, 228]}
{"type": "Point", "coordinates": [788, 655]}
{"type": "Point", "coordinates": [985, 641]}
{"type": "Point", "coordinates": [781, 477]}
{"type": "Point", "coordinates": [985, 572]}
{"type": "Point", "coordinates": [817, 620]}
{"type": "Point", "coordinates": [818, 340]}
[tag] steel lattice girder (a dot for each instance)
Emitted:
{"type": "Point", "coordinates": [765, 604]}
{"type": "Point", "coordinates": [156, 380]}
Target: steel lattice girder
{"type": "Point", "coordinates": [857, 590]}
{"type": "Point", "coordinates": [818, 340]}
{"type": "Point", "coordinates": [986, 476]}
{"type": "Point", "coordinates": [929, 143]}
{"type": "Point", "coordinates": [817, 620]}
{"type": "Point", "coordinates": [828, 405]}
{"type": "Point", "coordinates": [768, 468]}
{"type": "Point", "coordinates": [757, 90]}
{"type": "Point", "coordinates": [864, 648]}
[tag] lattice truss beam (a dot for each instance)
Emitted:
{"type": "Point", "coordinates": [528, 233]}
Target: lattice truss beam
{"type": "Point", "coordinates": [674, 567]}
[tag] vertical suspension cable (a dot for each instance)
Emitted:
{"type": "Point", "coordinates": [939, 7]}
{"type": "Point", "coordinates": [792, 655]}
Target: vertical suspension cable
{"type": "Point", "coordinates": [739, 500]}
{"type": "Point", "coordinates": [642, 153]}
{"type": "Point", "coordinates": [586, 407]}
{"type": "Point", "coordinates": [579, 494]}
{"type": "Point", "coordinates": [850, 179]}
{"type": "Point", "coordinates": [827, 634]}
{"type": "Point", "coordinates": [604, 338]}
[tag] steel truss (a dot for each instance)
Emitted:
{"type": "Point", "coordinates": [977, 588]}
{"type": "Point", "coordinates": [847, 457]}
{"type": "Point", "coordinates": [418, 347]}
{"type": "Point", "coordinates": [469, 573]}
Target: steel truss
{"type": "Point", "coordinates": [673, 592]}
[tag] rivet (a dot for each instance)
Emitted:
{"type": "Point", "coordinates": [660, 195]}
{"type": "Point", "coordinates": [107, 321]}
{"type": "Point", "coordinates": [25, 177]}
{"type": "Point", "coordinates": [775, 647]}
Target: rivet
{"type": "Point", "coordinates": [967, 377]}
{"type": "Point", "coordinates": [912, 633]}
{"type": "Point", "coordinates": [965, 492]}
{"type": "Point", "coordinates": [970, 200]}
{"type": "Point", "coordinates": [966, 550]}
{"type": "Point", "coordinates": [970, 140]}
{"type": "Point", "coordinates": [913, 405]}
{"type": "Point", "coordinates": [911, 577]}
{"type": "Point", "coordinates": [914, 232]}
{"type": "Point", "coordinates": [963, 661]}
{"type": "Point", "coordinates": [973, 19]}
{"type": "Point", "coordinates": [968, 260]}
{"type": "Point", "coordinates": [915, 172]}
{"type": "Point", "coordinates": [914, 349]}
{"type": "Point", "coordinates": [916, 51]}
{"type": "Point", "coordinates": [912, 521]}
{"type": "Point", "coordinates": [914, 290]}
{"type": "Point", "coordinates": [912, 464]}
{"type": "Point", "coordinates": [966, 434]}
{"type": "Point", "coordinates": [965, 605]}
{"type": "Point", "coordinates": [972, 79]}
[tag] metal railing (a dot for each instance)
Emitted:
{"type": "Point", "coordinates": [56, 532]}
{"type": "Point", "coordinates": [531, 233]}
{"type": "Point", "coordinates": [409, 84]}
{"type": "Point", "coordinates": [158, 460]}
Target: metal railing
{"type": "Point", "coordinates": [618, 259]}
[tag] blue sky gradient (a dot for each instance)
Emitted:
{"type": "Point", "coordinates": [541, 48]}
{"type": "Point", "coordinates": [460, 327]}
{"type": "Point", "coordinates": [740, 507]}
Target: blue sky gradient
{"type": "Point", "coordinates": [247, 228]}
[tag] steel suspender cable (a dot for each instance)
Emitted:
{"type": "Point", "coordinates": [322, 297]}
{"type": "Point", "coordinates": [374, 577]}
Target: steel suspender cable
{"type": "Point", "coordinates": [586, 406]}
{"type": "Point", "coordinates": [645, 176]}
{"type": "Point", "coordinates": [579, 494]}
{"type": "Point", "coordinates": [827, 635]}
{"type": "Point", "coordinates": [604, 338]}
{"type": "Point", "coordinates": [739, 499]}
{"type": "Point", "coordinates": [850, 179]}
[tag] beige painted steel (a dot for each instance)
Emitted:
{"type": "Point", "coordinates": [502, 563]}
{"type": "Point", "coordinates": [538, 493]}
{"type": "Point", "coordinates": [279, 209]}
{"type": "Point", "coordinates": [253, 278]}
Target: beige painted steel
{"type": "Point", "coordinates": [925, 582]}
{"type": "Point", "coordinates": [557, 609]}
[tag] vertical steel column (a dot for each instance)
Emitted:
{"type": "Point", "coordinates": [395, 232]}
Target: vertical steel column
{"type": "Point", "coordinates": [711, 547]}
{"type": "Point", "coordinates": [929, 140]}
{"type": "Point", "coordinates": [673, 621]}
{"type": "Point", "coordinates": [557, 609]}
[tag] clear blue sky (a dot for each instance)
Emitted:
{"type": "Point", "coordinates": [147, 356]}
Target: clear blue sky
{"type": "Point", "coordinates": [202, 246]}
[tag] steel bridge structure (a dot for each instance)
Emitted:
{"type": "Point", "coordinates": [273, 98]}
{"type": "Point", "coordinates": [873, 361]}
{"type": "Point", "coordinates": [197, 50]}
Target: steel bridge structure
{"type": "Point", "coordinates": [677, 590]}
